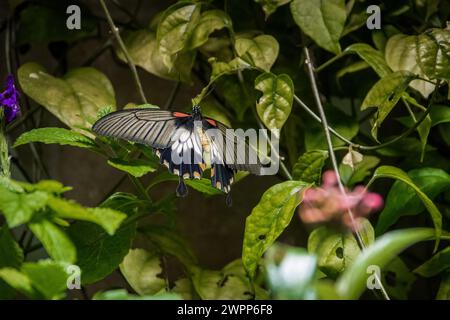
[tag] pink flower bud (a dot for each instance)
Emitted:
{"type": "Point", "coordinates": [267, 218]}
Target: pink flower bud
{"type": "Point", "coordinates": [372, 201]}
{"type": "Point", "coordinates": [329, 179]}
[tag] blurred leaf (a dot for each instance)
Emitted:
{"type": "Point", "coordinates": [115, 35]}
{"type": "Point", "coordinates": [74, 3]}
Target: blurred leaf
{"type": "Point", "coordinates": [11, 256]}
{"type": "Point", "coordinates": [355, 21]}
{"type": "Point", "coordinates": [49, 186]}
{"type": "Point", "coordinates": [397, 279]}
{"type": "Point", "coordinates": [212, 109]}
{"type": "Point", "coordinates": [274, 106]}
{"type": "Point", "coordinates": [444, 288]}
{"type": "Point", "coordinates": [361, 170]}
{"type": "Point", "coordinates": [261, 51]}
{"type": "Point", "coordinates": [122, 294]}
{"type": "Point", "coordinates": [290, 272]}
{"type": "Point", "coordinates": [439, 114]}
{"type": "Point", "coordinates": [170, 242]}
{"type": "Point", "coordinates": [39, 23]}
{"type": "Point", "coordinates": [137, 167]}
{"type": "Point", "coordinates": [220, 68]}
{"type": "Point", "coordinates": [352, 283]}
{"type": "Point", "coordinates": [59, 136]}
{"type": "Point", "coordinates": [19, 208]}
{"type": "Point", "coordinates": [143, 49]}
{"type": "Point", "coordinates": [409, 195]}
{"type": "Point", "coordinates": [323, 21]}
{"type": "Point", "coordinates": [370, 55]}
{"type": "Point", "coordinates": [202, 185]}
{"type": "Point", "coordinates": [438, 263]}
{"type": "Point", "coordinates": [141, 269]}
{"type": "Point", "coordinates": [55, 241]}
{"type": "Point", "coordinates": [99, 254]}
{"type": "Point", "coordinates": [354, 67]}
{"type": "Point", "coordinates": [268, 220]}
{"type": "Point", "coordinates": [209, 22]}
{"type": "Point", "coordinates": [48, 277]}
{"type": "Point", "coordinates": [384, 95]}
{"type": "Point", "coordinates": [308, 167]}
{"type": "Point", "coordinates": [74, 99]}
{"type": "Point", "coordinates": [184, 288]}
{"type": "Point", "coordinates": [109, 219]}
{"type": "Point", "coordinates": [270, 6]}
{"type": "Point", "coordinates": [19, 281]}
{"type": "Point", "coordinates": [336, 250]}
{"type": "Point", "coordinates": [433, 53]}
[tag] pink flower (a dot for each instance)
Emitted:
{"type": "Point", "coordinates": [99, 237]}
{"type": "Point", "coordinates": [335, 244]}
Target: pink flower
{"type": "Point", "coordinates": [329, 204]}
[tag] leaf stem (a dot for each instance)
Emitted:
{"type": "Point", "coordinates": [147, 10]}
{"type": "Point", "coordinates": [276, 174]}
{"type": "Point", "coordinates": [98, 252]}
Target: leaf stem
{"type": "Point", "coordinates": [326, 129]}
{"type": "Point", "coordinates": [116, 33]}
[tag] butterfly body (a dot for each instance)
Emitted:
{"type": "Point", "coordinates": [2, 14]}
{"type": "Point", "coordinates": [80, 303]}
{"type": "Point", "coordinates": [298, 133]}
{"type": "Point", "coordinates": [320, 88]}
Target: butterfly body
{"type": "Point", "coordinates": [183, 142]}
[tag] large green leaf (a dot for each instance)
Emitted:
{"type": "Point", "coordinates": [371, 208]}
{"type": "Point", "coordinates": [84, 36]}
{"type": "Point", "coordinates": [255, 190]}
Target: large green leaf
{"type": "Point", "coordinates": [209, 22]}
{"type": "Point", "coordinates": [323, 21]}
{"type": "Point", "coordinates": [336, 250]}
{"type": "Point", "coordinates": [438, 263]}
{"type": "Point", "coordinates": [353, 281]}
{"type": "Point", "coordinates": [308, 167]}
{"type": "Point", "coordinates": [261, 51]}
{"type": "Point", "coordinates": [99, 254]}
{"type": "Point", "coordinates": [270, 6]}
{"type": "Point", "coordinates": [74, 99]}
{"type": "Point", "coordinates": [268, 220]}
{"type": "Point", "coordinates": [176, 25]}
{"type": "Point", "coordinates": [370, 55]}
{"type": "Point", "coordinates": [398, 174]}
{"type": "Point", "coordinates": [360, 171]}
{"type": "Point", "coordinates": [109, 219]}
{"type": "Point", "coordinates": [426, 55]}
{"type": "Point", "coordinates": [397, 279]}
{"type": "Point", "coordinates": [143, 49]}
{"type": "Point", "coordinates": [274, 106]}
{"type": "Point", "coordinates": [137, 167]}
{"type": "Point", "coordinates": [11, 256]}
{"type": "Point", "coordinates": [170, 242]}
{"type": "Point", "coordinates": [141, 269]}
{"type": "Point", "coordinates": [19, 281]}
{"type": "Point", "coordinates": [402, 199]}
{"type": "Point", "coordinates": [385, 94]}
{"type": "Point", "coordinates": [444, 288]}
{"type": "Point", "coordinates": [55, 241]}
{"type": "Point", "coordinates": [19, 208]}
{"type": "Point", "coordinates": [55, 136]}
{"type": "Point", "coordinates": [48, 277]}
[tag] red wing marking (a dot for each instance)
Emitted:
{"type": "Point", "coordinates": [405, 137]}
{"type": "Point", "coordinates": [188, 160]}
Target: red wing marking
{"type": "Point", "coordinates": [180, 114]}
{"type": "Point", "coordinates": [212, 122]}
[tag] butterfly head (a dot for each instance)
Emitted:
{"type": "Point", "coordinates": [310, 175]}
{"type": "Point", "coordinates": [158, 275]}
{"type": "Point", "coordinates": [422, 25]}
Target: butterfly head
{"type": "Point", "coordinates": [196, 111]}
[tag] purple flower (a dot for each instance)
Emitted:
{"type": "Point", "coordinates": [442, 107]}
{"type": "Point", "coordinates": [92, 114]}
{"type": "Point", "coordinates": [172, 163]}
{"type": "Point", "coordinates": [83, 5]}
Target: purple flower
{"type": "Point", "coordinates": [9, 100]}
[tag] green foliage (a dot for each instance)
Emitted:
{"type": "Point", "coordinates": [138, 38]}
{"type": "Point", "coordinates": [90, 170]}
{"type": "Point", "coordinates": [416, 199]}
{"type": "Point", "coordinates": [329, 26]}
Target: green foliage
{"type": "Point", "coordinates": [55, 135]}
{"type": "Point", "coordinates": [260, 51]}
{"type": "Point", "coordinates": [308, 167]}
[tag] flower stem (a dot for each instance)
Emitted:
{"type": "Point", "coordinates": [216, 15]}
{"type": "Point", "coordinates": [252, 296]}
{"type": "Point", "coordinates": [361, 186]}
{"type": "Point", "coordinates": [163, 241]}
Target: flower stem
{"type": "Point", "coordinates": [116, 33]}
{"type": "Point", "coordinates": [326, 130]}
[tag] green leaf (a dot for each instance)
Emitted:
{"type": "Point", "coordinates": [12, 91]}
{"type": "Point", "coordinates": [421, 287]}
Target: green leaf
{"type": "Point", "coordinates": [19, 281]}
{"type": "Point", "coordinates": [108, 219]}
{"type": "Point", "coordinates": [290, 272]}
{"type": "Point", "coordinates": [438, 263]}
{"type": "Point", "coordinates": [127, 203]}
{"type": "Point", "coordinates": [370, 55]}
{"type": "Point", "coordinates": [74, 99]}
{"type": "Point", "coordinates": [143, 49]}
{"type": "Point", "coordinates": [323, 21]}
{"type": "Point", "coordinates": [137, 167]}
{"type": "Point", "coordinates": [354, 67]}
{"type": "Point", "coordinates": [176, 25]}
{"type": "Point", "coordinates": [55, 135]}
{"type": "Point", "coordinates": [48, 277]}
{"type": "Point", "coordinates": [49, 186]}
{"type": "Point", "coordinates": [261, 51]}
{"type": "Point", "coordinates": [202, 185]}
{"type": "Point", "coordinates": [55, 241]}
{"type": "Point", "coordinates": [360, 171]}
{"type": "Point", "coordinates": [19, 208]}
{"type": "Point", "coordinates": [227, 284]}
{"type": "Point", "coordinates": [268, 220]}
{"type": "Point", "coordinates": [43, 24]}
{"type": "Point", "coordinates": [172, 243]}
{"type": "Point", "coordinates": [402, 198]}
{"type": "Point", "coordinates": [353, 281]}
{"type": "Point", "coordinates": [220, 68]}
{"type": "Point", "coordinates": [141, 269]}
{"type": "Point", "coordinates": [397, 279]}
{"type": "Point", "coordinates": [270, 6]}
{"type": "Point", "coordinates": [274, 106]}
{"type": "Point", "coordinates": [209, 22]}
{"type": "Point", "coordinates": [421, 55]}
{"type": "Point", "coordinates": [385, 94]}
{"type": "Point", "coordinates": [122, 294]}
{"type": "Point", "coordinates": [99, 254]}
{"type": "Point", "coordinates": [444, 288]}
{"type": "Point", "coordinates": [308, 167]}
{"type": "Point", "coordinates": [11, 254]}
{"type": "Point", "coordinates": [336, 250]}
{"type": "Point", "coordinates": [439, 114]}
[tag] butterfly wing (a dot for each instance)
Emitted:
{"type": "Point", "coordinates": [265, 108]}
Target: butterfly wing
{"type": "Point", "coordinates": [152, 127]}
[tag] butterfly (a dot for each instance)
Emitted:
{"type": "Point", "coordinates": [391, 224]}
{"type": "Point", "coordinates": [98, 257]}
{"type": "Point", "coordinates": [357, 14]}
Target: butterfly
{"type": "Point", "coordinates": [187, 144]}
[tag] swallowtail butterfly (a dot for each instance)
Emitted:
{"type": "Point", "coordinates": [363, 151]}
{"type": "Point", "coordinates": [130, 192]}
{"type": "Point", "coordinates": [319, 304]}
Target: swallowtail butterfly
{"type": "Point", "coordinates": [186, 137]}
